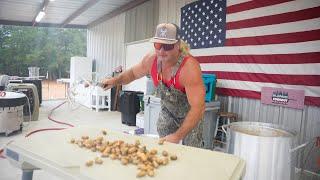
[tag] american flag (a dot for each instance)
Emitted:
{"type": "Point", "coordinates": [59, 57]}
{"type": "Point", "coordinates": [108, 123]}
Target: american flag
{"type": "Point", "coordinates": [203, 24]}
{"type": "Point", "coordinates": [256, 43]}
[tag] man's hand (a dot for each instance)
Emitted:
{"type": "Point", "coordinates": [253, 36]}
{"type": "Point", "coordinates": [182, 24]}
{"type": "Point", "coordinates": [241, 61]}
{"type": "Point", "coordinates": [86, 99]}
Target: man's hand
{"type": "Point", "coordinates": [108, 83]}
{"type": "Point", "coordinates": [173, 138]}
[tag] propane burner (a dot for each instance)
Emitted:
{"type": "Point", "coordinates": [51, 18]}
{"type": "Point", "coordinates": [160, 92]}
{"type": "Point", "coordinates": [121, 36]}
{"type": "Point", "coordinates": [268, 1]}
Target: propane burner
{"type": "Point", "coordinates": [11, 111]}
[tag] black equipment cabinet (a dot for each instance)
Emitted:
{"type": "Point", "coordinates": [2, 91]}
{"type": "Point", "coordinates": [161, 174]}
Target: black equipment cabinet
{"type": "Point", "coordinates": [129, 106]}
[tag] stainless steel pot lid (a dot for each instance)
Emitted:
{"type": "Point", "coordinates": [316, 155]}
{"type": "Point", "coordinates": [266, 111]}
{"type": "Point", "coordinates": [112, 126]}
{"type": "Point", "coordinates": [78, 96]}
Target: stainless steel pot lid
{"type": "Point", "coordinates": [12, 99]}
{"type": "Point", "coordinates": [261, 129]}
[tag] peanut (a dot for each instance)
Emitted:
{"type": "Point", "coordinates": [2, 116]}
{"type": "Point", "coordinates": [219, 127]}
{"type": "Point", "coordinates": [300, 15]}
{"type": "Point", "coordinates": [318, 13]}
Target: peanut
{"type": "Point", "coordinates": [161, 141]}
{"type": "Point", "coordinates": [85, 137]}
{"type": "Point", "coordinates": [173, 157]}
{"type": "Point", "coordinates": [105, 155]}
{"type": "Point", "coordinates": [89, 163]}
{"type": "Point", "coordinates": [153, 151]}
{"type": "Point", "coordinates": [147, 161]}
{"type": "Point", "coordinates": [165, 161]}
{"type": "Point", "coordinates": [98, 160]}
{"type": "Point", "coordinates": [104, 132]}
{"type": "Point", "coordinates": [164, 153]}
{"type": "Point", "coordinates": [124, 161]}
{"type": "Point", "coordinates": [151, 173]}
{"type": "Point", "coordinates": [137, 143]}
{"type": "Point", "coordinates": [113, 156]}
{"type": "Point", "coordinates": [141, 174]}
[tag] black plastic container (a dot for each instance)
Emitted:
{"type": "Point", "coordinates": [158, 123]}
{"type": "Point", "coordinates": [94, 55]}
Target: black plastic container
{"type": "Point", "coordinates": [129, 106]}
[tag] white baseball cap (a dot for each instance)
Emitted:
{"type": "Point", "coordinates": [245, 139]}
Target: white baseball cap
{"type": "Point", "coordinates": [166, 33]}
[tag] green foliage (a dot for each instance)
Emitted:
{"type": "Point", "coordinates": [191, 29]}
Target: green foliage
{"type": "Point", "coordinates": [47, 48]}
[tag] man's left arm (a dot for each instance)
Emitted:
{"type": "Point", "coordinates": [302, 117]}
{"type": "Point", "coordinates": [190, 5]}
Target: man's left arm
{"type": "Point", "coordinates": [191, 78]}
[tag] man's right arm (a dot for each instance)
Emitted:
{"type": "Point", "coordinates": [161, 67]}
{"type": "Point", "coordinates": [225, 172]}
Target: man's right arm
{"type": "Point", "coordinates": [139, 70]}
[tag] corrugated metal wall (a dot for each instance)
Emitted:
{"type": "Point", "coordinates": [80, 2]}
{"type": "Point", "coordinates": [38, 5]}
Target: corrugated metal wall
{"type": "Point", "coordinates": [105, 44]}
{"type": "Point", "coordinates": [106, 41]}
{"type": "Point", "coordinates": [141, 21]}
{"type": "Point", "coordinates": [306, 122]}
{"type": "Point", "coordinates": [169, 10]}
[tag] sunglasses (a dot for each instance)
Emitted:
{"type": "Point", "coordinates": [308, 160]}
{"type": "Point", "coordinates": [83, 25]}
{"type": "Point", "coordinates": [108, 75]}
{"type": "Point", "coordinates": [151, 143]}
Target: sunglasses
{"type": "Point", "coordinates": [166, 47]}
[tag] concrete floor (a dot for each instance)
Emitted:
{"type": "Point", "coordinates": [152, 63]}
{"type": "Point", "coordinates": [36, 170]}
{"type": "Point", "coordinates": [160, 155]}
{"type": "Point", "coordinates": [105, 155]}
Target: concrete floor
{"type": "Point", "coordinates": [66, 113]}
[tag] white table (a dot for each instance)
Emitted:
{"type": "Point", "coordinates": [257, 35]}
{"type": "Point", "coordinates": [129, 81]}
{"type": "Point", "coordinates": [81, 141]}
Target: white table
{"type": "Point", "coordinates": [92, 97]}
{"type": "Point", "coordinates": [66, 83]}
{"type": "Point", "coordinates": [100, 98]}
{"type": "Point", "coordinates": [51, 151]}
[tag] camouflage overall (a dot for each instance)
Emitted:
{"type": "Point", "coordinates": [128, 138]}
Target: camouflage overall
{"type": "Point", "coordinates": [174, 108]}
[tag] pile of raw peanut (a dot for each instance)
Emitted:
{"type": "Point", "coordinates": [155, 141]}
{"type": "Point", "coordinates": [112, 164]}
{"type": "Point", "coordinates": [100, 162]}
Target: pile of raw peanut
{"type": "Point", "coordinates": [146, 160]}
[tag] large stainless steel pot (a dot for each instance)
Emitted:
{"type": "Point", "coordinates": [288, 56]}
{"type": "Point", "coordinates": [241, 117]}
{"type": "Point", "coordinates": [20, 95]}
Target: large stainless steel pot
{"type": "Point", "coordinates": [266, 148]}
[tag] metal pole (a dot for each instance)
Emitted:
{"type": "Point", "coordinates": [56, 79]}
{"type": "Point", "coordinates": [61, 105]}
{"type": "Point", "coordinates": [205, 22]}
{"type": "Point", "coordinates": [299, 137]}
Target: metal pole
{"type": "Point", "coordinates": [27, 174]}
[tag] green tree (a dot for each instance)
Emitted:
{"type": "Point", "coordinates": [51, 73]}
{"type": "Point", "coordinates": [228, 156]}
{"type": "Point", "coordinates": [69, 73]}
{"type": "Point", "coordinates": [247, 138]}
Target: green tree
{"type": "Point", "coordinates": [47, 48]}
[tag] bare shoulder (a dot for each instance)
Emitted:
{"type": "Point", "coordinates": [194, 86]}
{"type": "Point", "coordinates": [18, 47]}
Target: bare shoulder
{"type": "Point", "coordinates": [190, 72]}
{"type": "Point", "coordinates": [147, 60]}
{"type": "Point", "coordinates": [191, 66]}
{"type": "Point", "coordinates": [144, 66]}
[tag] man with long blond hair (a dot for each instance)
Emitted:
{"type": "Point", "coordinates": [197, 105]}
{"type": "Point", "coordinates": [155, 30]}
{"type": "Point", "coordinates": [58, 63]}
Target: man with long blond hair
{"type": "Point", "coordinates": [177, 78]}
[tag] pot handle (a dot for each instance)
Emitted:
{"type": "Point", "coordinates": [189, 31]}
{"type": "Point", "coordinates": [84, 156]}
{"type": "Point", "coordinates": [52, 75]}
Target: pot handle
{"type": "Point", "coordinates": [223, 128]}
{"type": "Point", "coordinates": [316, 139]}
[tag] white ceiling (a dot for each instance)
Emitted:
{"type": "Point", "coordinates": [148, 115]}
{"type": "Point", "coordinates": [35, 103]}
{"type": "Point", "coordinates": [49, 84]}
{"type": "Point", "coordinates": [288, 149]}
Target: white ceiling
{"type": "Point", "coordinates": [23, 12]}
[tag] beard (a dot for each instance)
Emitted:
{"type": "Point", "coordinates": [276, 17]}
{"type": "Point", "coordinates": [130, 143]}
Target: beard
{"type": "Point", "coordinates": [164, 58]}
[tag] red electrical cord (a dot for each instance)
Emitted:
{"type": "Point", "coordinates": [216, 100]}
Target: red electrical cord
{"type": "Point", "coordinates": [51, 119]}
{"type": "Point", "coordinates": [1, 156]}
{"type": "Point", "coordinates": [59, 122]}
{"type": "Point", "coordinates": [45, 129]}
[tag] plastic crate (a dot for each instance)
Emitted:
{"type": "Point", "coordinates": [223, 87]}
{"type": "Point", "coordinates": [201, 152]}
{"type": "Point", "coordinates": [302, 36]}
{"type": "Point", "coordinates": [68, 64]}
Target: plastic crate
{"type": "Point", "coordinates": [209, 81]}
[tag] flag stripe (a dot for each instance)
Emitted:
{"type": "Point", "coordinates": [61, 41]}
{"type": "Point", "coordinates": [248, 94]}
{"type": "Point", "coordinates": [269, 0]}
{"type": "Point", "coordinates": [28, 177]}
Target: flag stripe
{"type": "Point", "coordinates": [252, 5]}
{"type": "Point", "coordinates": [310, 101]}
{"type": "Point", "coordinates": [275, 39]}
{"type": "Point", "coordinates": [291, 69]}
{"type": "Point", "coordinates": [256, 86]}
{"type": "Point", "coordinates": [275, 19]}
{"type": "Point", "coordinates": [308, 80]}
{"type": "Point", "coordinates": [305, 25]}
{"type": "Point", "coordinates": [263, 59]}
{"type": "Point", "coordinates": [293, 48]}
{"type": "Point", "coordinates": [230, 3]}
{"type": "Point", "coordinates": [273, 10]}
{"type": "Point", "coordinates": [238, 93]}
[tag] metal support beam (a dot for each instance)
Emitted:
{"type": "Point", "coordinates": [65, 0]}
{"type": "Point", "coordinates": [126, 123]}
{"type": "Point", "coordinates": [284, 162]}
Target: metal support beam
{"type": "Point", "coordinates": [78, 12]}
{"type": "Point", "coordinates": [42, 7]}
{"type": "Point", "coordinates": [116, 12]}
{"type": "Point", "coordinates": [21, 23]}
